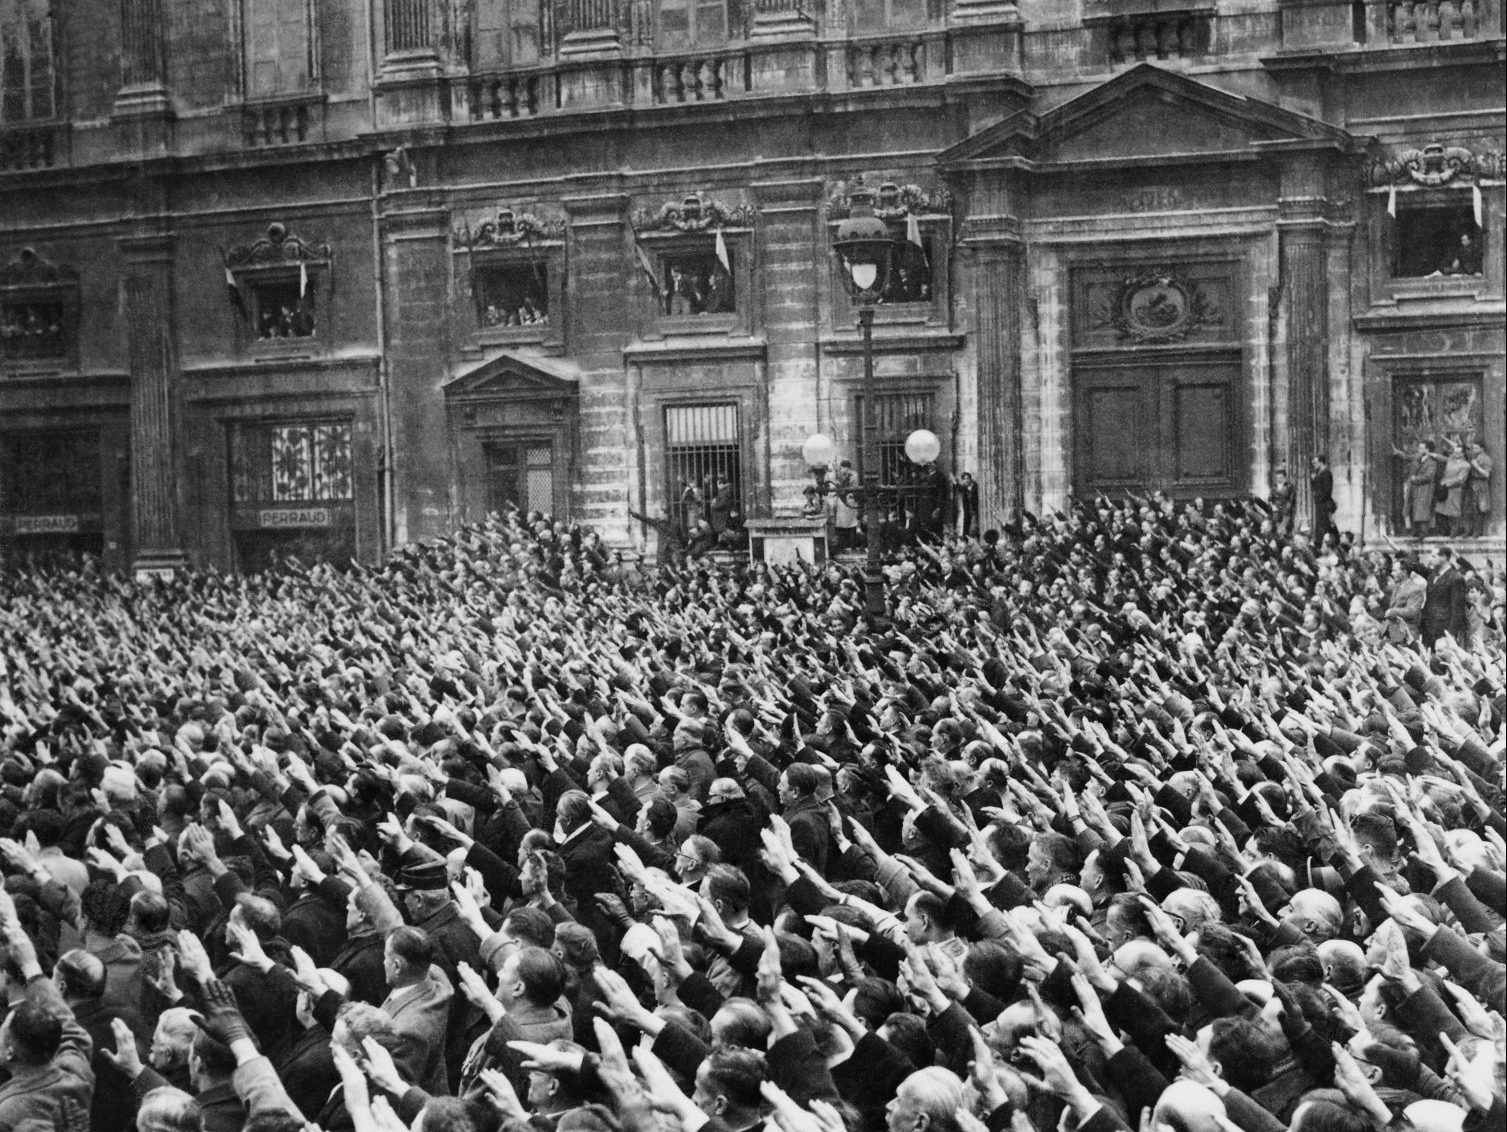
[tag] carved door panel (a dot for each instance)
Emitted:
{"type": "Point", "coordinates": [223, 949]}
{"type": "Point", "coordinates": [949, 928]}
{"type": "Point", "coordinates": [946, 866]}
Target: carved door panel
{"type": "Point", "coordinates": [1170, 426]}
{"type": "Point", "coordinates": [1114, 416]}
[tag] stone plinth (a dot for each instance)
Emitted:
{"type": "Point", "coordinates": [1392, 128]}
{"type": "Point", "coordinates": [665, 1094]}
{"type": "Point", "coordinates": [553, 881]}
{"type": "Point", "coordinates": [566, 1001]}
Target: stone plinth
{"type": "Point", "coordinates": [784, 540]}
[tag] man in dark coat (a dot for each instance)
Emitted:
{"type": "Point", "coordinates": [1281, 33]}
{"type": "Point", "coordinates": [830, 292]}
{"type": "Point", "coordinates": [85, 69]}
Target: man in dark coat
{"type": "Point", "coordinates": [1321, 484]}
{"type": "Point", "coordinates": [1444, 603]}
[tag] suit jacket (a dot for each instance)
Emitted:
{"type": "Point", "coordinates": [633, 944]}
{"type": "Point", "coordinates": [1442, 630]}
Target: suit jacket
{"type": "Point", "coordinates": [114, 1107]}
{"type": "Point", "coordinates": [308, 1072]}
{"type": "Point", "coordinates": [36, 1092]}
{"type": "Point", "coordinates": [315, 925]}
{"type": "Point", "coordinates": [1444, 607]}
{"type": "Point", "coordinates": [421, 1014]}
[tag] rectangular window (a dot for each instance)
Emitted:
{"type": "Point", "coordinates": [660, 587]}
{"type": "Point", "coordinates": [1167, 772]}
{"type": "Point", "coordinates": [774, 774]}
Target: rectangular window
{"type": "Point", "coordinates": [898, 415]}
{"type": "Point", "coordinates": [1435, 239]}
{"type": "Point", "coordinates": [691, 23]}
{"type": "Point", "coordinates": [277, 47]}
{"type": "Point", "coordinates": [1441, 410]}
{"type": "Point", "coordinates": [696, 281]}
{"type": "Point", "coordinates": [33, 328]}
{"type": "Point", "coordinates": [507, 34]}
{"type": "Point", "coordinates": [282, 308]}
{"type": "Point", "coordinates": [888, 15]}
{"type": "Point", "coordinates": [26, 70]}
{"type": "Point", "coordinates": [291, 463]}
{"type": "Point", "coordinates": [511, 295]}
{"type": "Point", "coordinates": [704, 465]}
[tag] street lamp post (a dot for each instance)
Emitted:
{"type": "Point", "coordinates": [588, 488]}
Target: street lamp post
{"type": "Point", "coordinates": [866, 250]}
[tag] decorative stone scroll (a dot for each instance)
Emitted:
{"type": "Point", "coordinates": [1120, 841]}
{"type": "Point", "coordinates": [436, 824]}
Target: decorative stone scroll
{"type": "Point", "coordinates": [28, 269]}
{"type": "Point", "coordinates": [1435, 165]}
{"type": "Point", "coordinates": [694, 213]}
{"type": "Point", "coordinates": [278, 246]}
{"type": "Point", "coordinates": [1157, 306]}
{"type": "Point", "coordinates": [891, 201]}
{"type": "Point", "coordinates": [508, 228]}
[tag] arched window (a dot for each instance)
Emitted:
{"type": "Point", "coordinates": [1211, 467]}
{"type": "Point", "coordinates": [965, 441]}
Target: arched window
{"type": "Point", "coordinates": [27, 77]}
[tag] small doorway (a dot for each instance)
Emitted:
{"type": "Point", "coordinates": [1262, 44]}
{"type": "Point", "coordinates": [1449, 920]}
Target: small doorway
{"type": "Point", "coordinates": [520, 474]}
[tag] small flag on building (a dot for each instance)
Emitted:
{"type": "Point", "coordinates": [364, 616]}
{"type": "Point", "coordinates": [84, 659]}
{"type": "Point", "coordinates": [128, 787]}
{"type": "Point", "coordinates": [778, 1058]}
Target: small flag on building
{"type": "Point", "coordinates": [1392, 201]}
{"type": "Point", "coordinates": [646, 265]}
{"type": "Point", "coordinates": [235, 292]}
{"type": "Point", "coordinates": [1475, 202]}
{"type": "Point", "coordinates": [913, 235]}
{"type": "Point", "coordinates": [303, 279]}
{"type": "Point", "coordinates": [727, 263]}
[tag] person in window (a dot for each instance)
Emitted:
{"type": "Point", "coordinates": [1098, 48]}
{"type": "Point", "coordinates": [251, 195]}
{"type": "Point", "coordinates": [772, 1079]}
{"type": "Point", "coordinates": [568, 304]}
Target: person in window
{"type": "Point", "coordinates": [1464, 257]}
{"type": "Point", "coordinates": [301, 322]}
{"type": "Point", "coordinates": [684, 294]}
{"type": "Point", "coordinates": [491, 316]}
{"type": "Point", "coordinates": [1478, 494]}
{"type": "Point", "coordinates": [1418, 492]}
{"type": "Point", "coordinates": [1282, 503]}
{"type": "Point", "coordinates": [719, 291]}
{"type": "Point", "coordinates": [528, 313]}
{"type": "Point", "coordinates": [721, 506]}
{"type": "Point", "coordinates": [1449, 497]}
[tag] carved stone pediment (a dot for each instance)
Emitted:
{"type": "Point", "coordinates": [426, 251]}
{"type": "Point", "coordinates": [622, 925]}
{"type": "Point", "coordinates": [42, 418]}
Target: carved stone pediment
{"type": "Point", "coordinates": [278, 247]}
{"type": "Point", "coordinates": [28, 269]}
{"type": "Point", "coordinates": [516, 376]}
{"type": "Point", "coordinates": [1143, 116]}
{"type": "Point", "coordinates": [695, 212]}
{"type": "Point", "coordinates": [892, 201]}
{"type": "Point", "coordinates": [1436, 165]}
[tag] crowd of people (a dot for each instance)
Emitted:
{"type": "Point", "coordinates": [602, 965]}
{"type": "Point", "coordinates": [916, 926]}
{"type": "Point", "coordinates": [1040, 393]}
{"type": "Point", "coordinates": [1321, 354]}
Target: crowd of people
{"type": "Point", "coordinates": [1138, 816]}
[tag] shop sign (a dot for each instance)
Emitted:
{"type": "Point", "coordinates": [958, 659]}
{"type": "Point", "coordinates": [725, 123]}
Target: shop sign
{"type": "Point", "coordinates": [47, 524]}
{"type": "Point", "coordinates": [283, 518]}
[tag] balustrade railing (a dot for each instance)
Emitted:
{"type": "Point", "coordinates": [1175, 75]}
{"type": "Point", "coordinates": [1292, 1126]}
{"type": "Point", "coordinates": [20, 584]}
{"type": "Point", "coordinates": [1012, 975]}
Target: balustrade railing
{"type": "Point", "coordinates": [898, 62]}
{"type": "Point", "coordinates": [29, 147]}
{"type": "Point", "coordinates": [1432, 21]}
{"type": "Point", "coordinates": [703, 78]}
{"type": "Point", "coordinates": [497, 98]}
{"type": "Point", "coordinates": [286, 122]}
{"type": "Point", "coordinates": [1170, 35]}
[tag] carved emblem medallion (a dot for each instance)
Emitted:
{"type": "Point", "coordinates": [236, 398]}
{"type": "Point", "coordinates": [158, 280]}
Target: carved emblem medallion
{"type": "Point", "coordinates": [1157, 306]}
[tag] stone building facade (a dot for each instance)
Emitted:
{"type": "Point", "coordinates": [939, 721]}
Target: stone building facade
{"type": "Point", "coordinates": [332, 275]}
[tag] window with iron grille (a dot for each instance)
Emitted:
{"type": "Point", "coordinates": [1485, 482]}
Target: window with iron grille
{"type": "Point", "coordinates": [898, 415]}
{"type": "Point", "coordinates": [293, 463]}
{"type": "Point", "coordinates": [703, 463]}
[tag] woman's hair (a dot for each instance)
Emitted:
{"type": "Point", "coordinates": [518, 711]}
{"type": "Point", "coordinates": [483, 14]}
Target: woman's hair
{"type": "Point", "coordinates": [169, 1109]}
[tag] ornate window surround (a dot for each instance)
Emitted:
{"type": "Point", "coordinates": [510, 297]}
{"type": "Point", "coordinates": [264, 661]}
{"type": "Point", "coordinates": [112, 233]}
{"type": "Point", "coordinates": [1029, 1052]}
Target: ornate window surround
{"type": "Point", "coordinates": [280, 256]}
{"type": "Point", "coordinates": [895, 204]}
{"type": "Point", "coordinates": [1435, 173]}
{"type": "Point", "coordinates": [513, 237]}
{"type": "Point", "coordinates": [685, 225]}
{"type": "Point", "coordinates": [29, 277]}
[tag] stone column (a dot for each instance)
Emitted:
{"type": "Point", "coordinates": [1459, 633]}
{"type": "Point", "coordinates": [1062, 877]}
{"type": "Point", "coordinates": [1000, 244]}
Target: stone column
{"type": "Point", "coordinates": [996, 274]}
{"type": "Point", "coordinates": [143, 62]}
{"type": "Point", "coordinates": [795, 251]}
{"type": "Point", "coordinates": [148, 316]}
{"type": "Point", "coordinates": [415, 246]}
{"type": "Point", "coordinates": [1301, 232]}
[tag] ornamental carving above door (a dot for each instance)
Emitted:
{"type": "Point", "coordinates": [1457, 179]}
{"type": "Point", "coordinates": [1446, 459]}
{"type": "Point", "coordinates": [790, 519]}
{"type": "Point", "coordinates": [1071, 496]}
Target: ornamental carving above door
{"type": "Point", "coordinates": [1155, 307]}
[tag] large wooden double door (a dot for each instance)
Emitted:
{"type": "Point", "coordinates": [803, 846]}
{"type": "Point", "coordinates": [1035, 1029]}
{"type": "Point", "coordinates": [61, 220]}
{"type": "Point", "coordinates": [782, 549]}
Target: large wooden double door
{"type": "Point", "coordinates": [1167, 424]}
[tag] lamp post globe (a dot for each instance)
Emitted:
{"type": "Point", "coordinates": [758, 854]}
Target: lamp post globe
{"type": "Point", "coordinates": [922, 447]}
{"type": "Point", "coordinates": [818, 451]}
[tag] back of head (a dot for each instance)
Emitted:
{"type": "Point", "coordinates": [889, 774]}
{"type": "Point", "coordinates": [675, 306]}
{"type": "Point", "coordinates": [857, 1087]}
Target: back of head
{"type": "Point", "coordinates": [1188, 1107]}
{"type": "Point", "coordinates": [542, 975]}
{"type": "Point", "coordinates": [167, 1109]}
{"type": "Point", "coordinates": [213, 1056]}
{"type": "Point", "coordinates": [83, 974]}
{"type": "Point", "coordinates": [938, 1093]}
{"type": "Point", "coordinates": [35, 1034]}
